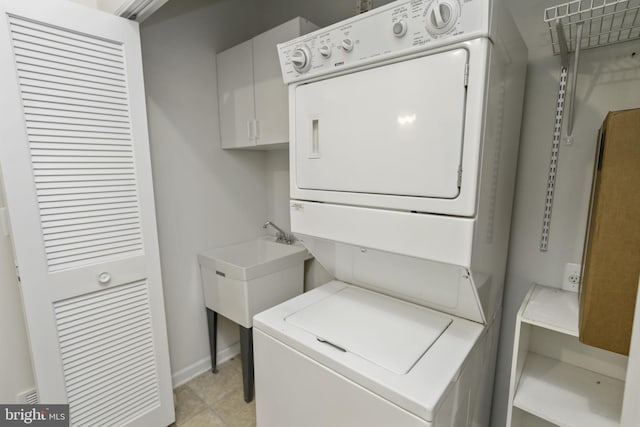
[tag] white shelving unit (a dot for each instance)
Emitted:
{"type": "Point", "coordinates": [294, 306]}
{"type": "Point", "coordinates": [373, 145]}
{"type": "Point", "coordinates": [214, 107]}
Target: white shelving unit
{"type": "Point", "coordinates": [555, 379]}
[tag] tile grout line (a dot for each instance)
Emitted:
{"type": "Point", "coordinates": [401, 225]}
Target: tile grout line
{"type": "Point", "coordinates": [233, 374]}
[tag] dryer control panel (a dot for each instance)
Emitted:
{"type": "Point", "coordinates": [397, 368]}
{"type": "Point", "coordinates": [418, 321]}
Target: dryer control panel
{"type": "Point", "coordinates": [399, 28]}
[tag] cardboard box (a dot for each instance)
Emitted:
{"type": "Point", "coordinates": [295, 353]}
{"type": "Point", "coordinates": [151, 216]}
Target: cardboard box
{"type": "Point", "coordinates": [611, 261]}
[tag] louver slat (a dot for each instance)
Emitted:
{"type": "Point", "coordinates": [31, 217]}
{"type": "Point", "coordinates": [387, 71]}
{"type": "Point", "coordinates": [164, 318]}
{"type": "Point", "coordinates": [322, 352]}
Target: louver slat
{"type": "Point", "coordinates": [87, 205]}
{"type": "Point", "coordinates": [39, 49]}
{"type": "Point", "coordinates": [86, 185]}
{"type": "Point", "coordinates": [56, 148]}
{"type": "Point", "coordinates": [72, 197]}
{"type": "Point", "coordinates": [33, 53]}
{"type": "Point", "coordinates": [21, 26]}
{"type": "Point", "coordinates": [76, 70]}
{"type": "Point", "coordinates": [54, 117]}
{"type": "Point", "coordinates": [69, 94]}
{"type": "Point", "coordinates": [92, 237]}
{"type": "Point", "coordinates": [79, 76]}
{"type": "Point", "coordinates": [53, 215]}
{"type": "Point", "coordinates": [115, 362]}
{"type": "Point", "coordinates": [34, 132]}
{"type": "Point", "coordinates": [76, 106]}
{"type": "Point", "coordinates": [47, 82]}
{"type": "Point", "coordinates": [55, 103]}
{"type": "Point", "coordinates": [65, 45]}
{"type": "Point", "coordinates": [73, 81]}
{"type": "Point", "coordinates": [52, 112]}
{"type": "Point", "coordinates": [108, 374]}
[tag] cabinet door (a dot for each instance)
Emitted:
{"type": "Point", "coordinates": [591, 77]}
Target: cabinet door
{"type": "Point", "coordinates": [77, 174]}
{"type": "Point", "coordinates": [235, 96]}
{"type": "Point", "coordinates": [272, 111]}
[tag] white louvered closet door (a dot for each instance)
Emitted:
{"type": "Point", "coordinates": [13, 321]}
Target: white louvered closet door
{"type": "Point", "coordinates": [75, 162]}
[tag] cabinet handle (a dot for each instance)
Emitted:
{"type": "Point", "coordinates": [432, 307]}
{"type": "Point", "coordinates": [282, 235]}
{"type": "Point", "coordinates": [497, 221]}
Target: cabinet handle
{"type": "Point", "coordinates": [250, 130]}
{"type": "Point", "coordinates": [256, 133]}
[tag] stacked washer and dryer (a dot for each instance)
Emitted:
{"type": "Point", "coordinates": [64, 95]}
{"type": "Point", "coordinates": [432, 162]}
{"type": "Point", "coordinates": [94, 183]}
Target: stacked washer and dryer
{"type": "Point", "coordinates": [404, 125]}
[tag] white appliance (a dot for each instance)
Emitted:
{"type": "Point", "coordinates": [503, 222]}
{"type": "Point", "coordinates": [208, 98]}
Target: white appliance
{"type": "Point", "coordinates": [404, 126]}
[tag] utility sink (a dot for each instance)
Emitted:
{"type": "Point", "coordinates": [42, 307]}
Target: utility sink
{"type": "Point", "coordinates": [244, 279]}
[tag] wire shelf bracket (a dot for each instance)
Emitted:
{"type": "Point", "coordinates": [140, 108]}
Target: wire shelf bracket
{"type": "Point", "coordinates": [575, 26]}
{"type": "Point", "coordinates": [553, 162]}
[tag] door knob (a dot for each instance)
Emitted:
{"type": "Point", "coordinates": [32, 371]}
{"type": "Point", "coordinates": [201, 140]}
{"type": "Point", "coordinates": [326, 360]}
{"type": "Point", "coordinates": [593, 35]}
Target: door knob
{"type": "Point", "coordinates": [104, 278]}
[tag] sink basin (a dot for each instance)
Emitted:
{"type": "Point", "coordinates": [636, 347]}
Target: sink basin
{"type": "Point", "coordinates": [244, 279]}
{"type": "Point", "coordinates": [255, 258]}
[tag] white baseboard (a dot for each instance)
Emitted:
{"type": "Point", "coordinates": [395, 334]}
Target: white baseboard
{"type": "Point", "coordinates": [186, 374]}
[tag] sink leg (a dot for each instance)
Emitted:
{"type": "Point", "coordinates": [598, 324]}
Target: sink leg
{"type": "Point", "coordinates": [246, 350]}
{"type": "Point", "coordinates": [212, 322]}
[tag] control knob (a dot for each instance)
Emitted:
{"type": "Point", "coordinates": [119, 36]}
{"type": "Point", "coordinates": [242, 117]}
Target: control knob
{"type": "Point", "coordinates": [325, 51]}
{"type": "Point", "coordinates": [400, 28]}
{"type": "Point", "coordinates": [442, 16]}
{"type": "Point", "coordinates": [347, 45]}
{"type": "Point", "coordinates": [301, 59]}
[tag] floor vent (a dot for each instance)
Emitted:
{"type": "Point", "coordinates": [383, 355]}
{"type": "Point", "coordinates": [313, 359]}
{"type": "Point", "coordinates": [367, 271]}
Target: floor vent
{"type": "Point", "coordinates": [30, 397]}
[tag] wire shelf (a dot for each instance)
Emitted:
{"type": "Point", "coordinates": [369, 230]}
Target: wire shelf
{"type": "Point", "coordinates": [604, 22]}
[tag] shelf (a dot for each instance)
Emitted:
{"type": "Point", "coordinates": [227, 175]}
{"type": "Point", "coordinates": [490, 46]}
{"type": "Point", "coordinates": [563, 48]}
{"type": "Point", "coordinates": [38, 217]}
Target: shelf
{"type": "Point", "coordinates": [604, 22]}
{"type": "Point", "coordinates": [553, 309]}
{"type": "Point", "coordinates": [528, 420]}
{"type": "Point", "coordinates": [568, 396]}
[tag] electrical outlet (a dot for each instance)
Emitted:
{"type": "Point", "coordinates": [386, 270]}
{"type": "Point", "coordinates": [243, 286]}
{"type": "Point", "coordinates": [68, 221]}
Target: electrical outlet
{"type": "Point", "coordinates": [571, 277]}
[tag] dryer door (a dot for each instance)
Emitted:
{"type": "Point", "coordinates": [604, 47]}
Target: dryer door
{"type": "Point", "coordinates": [395, 129]}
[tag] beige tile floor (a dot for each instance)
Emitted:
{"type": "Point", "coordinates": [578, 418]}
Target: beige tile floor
{"type": "Point", "coordinates": [215, 400]}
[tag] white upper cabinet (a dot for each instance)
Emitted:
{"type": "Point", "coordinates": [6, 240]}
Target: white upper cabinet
{"type": "Point", "coordinates": [252, 96]}
{"type": "Point", "coordinates": [235, 96]}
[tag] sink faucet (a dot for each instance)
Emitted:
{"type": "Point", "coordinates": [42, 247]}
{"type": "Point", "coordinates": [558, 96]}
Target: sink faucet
{"type": "Point", "coordinates": [281, 235]}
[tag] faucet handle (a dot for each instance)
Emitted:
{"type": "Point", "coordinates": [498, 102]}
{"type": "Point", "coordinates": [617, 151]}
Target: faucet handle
{"type": "Point", "coordinates": [281, 235]}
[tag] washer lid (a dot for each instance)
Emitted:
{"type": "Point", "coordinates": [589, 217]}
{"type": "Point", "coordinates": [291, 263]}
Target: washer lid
{"type": "Point", "coordinates": [390, 333]}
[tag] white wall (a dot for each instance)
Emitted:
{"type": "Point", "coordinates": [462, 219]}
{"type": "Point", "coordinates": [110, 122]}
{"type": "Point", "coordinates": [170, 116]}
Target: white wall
{"type": "Point", "coordinates": [90, 3]}
{"type": "Point", "coordinates": [15, 361]}
{"type": "Point", "coordinates": [205, 197]}
{"type": "Point", "coordinates": [609, 79]}
{"type": "Point", "coordinates": [277, 173]}
{"type": "Point", "coordinates": [320, 12]}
